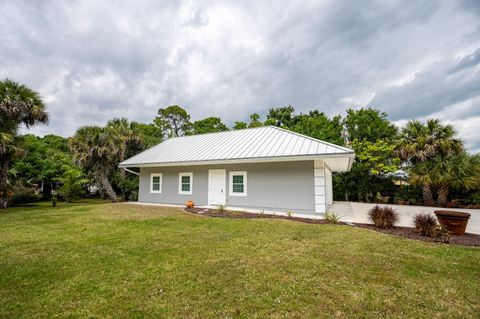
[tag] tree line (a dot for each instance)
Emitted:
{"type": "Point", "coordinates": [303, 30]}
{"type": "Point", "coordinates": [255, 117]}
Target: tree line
{"type": "Point", "coordinates": [423, 162]}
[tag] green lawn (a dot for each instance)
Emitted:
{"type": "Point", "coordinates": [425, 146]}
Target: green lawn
{"type": "Point", "coordinates": [104, 260]}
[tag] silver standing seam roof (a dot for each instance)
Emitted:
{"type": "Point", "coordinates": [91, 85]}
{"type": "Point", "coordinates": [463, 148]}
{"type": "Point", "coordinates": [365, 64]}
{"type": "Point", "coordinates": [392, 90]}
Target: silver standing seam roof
{"type": "Point", "coordinates": [245, 144]}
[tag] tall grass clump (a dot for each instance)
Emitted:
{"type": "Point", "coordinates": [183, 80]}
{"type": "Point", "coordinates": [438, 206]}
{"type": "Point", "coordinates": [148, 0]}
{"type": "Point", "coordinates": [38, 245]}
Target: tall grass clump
{"type": "Point", "coordinates": [383, 217]}
{"type": "Point", "coordinates": [425, 224]}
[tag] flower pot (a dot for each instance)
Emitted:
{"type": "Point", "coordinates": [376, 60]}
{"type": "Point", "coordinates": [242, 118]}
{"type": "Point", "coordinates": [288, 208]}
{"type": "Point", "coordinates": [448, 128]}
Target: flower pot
{"type": "Point", "coordinates": [454, 222]}
{"type": "Point", "coordinates": [190, 204]}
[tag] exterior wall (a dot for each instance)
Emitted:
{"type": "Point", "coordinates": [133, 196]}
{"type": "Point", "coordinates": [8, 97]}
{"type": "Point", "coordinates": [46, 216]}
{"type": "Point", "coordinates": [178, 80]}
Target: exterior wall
{"type": "Point", "coordinates": [358, 213]}
{"type": "Point", "coordinates": [275, 186]}
{"type": "Point", "coordinates": [170, 193]}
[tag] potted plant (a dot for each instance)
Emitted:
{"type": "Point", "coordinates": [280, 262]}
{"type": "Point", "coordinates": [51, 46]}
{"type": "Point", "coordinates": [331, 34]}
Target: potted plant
{"type": "Point", "coordinates": [454, 222]}
{"type": "Point", "coordinates": [190, 204]}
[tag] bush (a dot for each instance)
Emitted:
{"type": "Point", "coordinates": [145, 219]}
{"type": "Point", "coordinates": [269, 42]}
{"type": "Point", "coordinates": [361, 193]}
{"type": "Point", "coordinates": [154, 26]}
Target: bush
{"type": "Point", "coordinates": [332, 218]}
{"type": "Point", "coordinates": [425, 224]}
{"type": "Point", "coordinates": [23, 195]}
{"type": "Point", "coordinates": [383, 217]}
{"type": "Point", "coordinates": [442, 234]}
{"type": "Point", "coordinates": [133, 197]}
{"type": "Point", "coordinates": [72, 183]}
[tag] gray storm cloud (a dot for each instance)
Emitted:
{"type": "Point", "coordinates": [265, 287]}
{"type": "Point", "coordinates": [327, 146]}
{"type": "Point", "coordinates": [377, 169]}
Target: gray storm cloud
{"type": "Point", "coordinates": [94, 60]}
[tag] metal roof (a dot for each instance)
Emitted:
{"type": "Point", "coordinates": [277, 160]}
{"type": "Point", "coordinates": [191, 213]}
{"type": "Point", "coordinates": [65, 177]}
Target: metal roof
{"type": "Point", "coordinates": [254, 143]}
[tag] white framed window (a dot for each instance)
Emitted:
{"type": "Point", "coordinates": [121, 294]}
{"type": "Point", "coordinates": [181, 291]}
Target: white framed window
{"type": "Point", "coordinates": [156, 183]}
{"type": "Point", "coordinates": [185, 183]}
{"type": "Point", "coordinates": [238, 183]}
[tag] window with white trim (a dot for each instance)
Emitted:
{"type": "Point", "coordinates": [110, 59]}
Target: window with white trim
{"type": "Point", "coordinates": [156, 183]}
{"type": "Point", "coordinates": [238, 183]}
{"type": "Point", "coordinates": [185, 183]}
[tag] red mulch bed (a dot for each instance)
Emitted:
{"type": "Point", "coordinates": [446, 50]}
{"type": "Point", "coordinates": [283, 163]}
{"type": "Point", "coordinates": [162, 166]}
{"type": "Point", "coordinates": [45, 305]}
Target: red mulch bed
{"type": "Point", "coordinates": [245, 215]}
{"type": "Point", "coordinates": [407, 232]}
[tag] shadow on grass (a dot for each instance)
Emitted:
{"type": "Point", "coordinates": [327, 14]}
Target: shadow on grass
{"type": "Point", "coordinates": [42, 205]}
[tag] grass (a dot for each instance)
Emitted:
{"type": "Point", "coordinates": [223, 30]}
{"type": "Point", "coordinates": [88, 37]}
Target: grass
{"type": "Point", "coordinates": [101, 260]}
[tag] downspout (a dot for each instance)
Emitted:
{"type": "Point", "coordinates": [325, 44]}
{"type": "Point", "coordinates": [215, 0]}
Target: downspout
{"type": "Point", "coordinates": [130, 171]}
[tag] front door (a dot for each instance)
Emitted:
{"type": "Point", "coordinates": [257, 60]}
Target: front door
{"type": "Point", "coordinates": [216, 187]}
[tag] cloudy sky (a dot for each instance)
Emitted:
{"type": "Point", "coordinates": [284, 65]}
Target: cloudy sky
{"type": "Point", "coordinates": [94, 60]}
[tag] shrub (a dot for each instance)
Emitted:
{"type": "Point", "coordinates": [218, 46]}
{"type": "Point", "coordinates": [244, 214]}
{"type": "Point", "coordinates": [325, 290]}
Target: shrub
{"type": "Point", "coordinates": [332, 218]}
{"type": "Point", "coordinates": [442, 234]}
{"type": "Point", "coordinates": [133, 197]}
{"type": "Point", "coordinates": [383, 217]}
{"type": "Point", "coordinates": [23, 195]}
{"type": "Point", "coordinates": [425, 224]}
{"type": "Point", "coordinates": [72, 183]}
{"type": "Point", "coordinates": [54, 200]}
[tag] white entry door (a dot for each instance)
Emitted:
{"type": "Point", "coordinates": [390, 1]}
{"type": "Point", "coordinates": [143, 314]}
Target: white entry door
{"type": "Point", "coordinates": [217, 187]}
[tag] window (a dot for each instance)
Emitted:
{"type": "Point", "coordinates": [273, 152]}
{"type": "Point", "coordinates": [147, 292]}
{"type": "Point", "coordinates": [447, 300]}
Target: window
{"type": "Point", "coordinates": [185, 183]}
{"type": "Point", "coordinates": [238, 183]}
{"type": "Point", "coordinates": [156, 183]}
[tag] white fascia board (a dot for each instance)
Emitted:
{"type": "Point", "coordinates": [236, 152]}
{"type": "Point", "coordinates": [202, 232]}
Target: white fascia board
{"type": "Point", "coordinates": [350, 156]}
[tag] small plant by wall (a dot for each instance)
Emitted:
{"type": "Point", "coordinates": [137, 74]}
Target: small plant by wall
{"type": "Point", "coordinates": [332, 218]}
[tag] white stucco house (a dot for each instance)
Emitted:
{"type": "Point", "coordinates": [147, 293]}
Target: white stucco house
{"type": "Point", "coordinates": [265, 169]}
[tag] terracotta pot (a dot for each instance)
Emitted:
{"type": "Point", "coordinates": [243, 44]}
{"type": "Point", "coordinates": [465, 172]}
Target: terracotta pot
{"type": "Point", "coordinates": [190, 204]}
{"type": "Point", "coordinates": [455, 222]}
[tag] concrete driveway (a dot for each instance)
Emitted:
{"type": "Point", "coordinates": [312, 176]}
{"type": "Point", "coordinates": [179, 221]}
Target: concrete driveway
{"type": "Point", "coordinates": [358, 213]}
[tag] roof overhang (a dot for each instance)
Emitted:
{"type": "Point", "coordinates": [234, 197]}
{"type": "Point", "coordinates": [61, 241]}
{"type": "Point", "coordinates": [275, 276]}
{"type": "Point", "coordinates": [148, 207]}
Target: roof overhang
{"type": "Point", "coordinates": [341, 162]}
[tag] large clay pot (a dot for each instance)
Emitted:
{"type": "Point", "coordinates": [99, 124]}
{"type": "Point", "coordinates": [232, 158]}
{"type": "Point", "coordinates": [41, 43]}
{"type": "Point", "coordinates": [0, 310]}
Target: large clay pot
{"type": "Point", "coordinates": [190, 204]}
{"type": "Point", "coordinates": [455, 222]}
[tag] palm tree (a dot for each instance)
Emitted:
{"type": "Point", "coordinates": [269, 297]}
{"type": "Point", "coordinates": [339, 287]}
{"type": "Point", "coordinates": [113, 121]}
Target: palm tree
{"type": "Point", "coordinates": [422, 142]}
{"type": "Point", "coordinates": [124, 136]}
{"type": "Point", "coordinates": [458, 172]}
{"type": "Point", "coordinates": [420, 176]}
{"type": "Point", "coordinates": [97, 152]}
{"type": "Point", "coordinates": [18, 105]}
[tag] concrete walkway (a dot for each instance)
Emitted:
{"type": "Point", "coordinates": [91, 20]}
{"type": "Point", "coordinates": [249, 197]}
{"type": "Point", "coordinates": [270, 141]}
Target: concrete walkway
{"type": "Point", "coordinates": [358, 213]}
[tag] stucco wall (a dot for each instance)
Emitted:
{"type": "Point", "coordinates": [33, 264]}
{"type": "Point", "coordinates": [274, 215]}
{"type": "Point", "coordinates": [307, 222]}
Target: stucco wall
{"type": "Point", "coordinates": [278, 186]}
